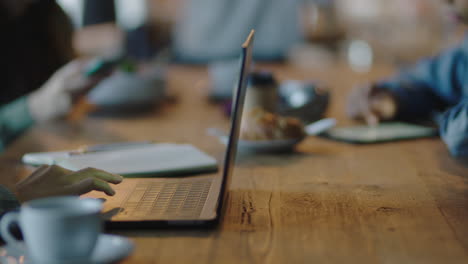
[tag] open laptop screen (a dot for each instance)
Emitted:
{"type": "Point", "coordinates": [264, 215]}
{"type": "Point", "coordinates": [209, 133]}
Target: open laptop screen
{"type": "Point", "coordinates": [236, 113]}
{"type": "Point", "coordinates": [185, 201]}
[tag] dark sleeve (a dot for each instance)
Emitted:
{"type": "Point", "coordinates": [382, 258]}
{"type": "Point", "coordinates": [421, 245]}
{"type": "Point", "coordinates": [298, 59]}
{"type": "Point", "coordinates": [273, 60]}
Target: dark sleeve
{"type": "Point", "coordinates": [61, 34]}
{"type": "Point", "coordinates": [8, 200]}
{"type": "Point", "coordinates": [433, 84]}
{"type": "Point", "coordinates": [454, 129]}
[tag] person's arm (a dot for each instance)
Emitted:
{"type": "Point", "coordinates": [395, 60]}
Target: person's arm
{"type": "Point", "coordinates": [14, 119]}
{"type": "Point", "coordinates": [454, 129]}
{"type": "Point", "coordinates": [433, 84]}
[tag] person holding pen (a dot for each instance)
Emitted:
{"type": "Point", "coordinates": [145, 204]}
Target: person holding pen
{"type": "Point", "coordinates": [435, 87]}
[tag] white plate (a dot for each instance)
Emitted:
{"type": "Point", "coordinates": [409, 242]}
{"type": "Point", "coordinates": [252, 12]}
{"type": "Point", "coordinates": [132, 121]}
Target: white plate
{"type": "Point", "coordinates": [109, 249]}
{"type": "Point", "coordinates": [281, 145]}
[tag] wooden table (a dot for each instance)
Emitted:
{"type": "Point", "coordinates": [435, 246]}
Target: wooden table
{"type": "Point", "coordinates": [329, 202]}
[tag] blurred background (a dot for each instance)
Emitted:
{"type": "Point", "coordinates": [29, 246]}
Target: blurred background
{"type": "Point", "coordinates": [146, 53]}
{"type": "Point", "coordinates": [305, 34]}
{"type": "Point", "coordinates": [144, 37]}
{"type": "Point", "coordinates": [311, 33]}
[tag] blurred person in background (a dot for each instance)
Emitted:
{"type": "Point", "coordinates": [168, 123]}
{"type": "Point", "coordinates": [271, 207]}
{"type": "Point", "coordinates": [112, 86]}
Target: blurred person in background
{"type": "Point", "coordinates": [435, 85]}
{"type": "Point", "coordinates": [40, 79]}
{"type": "Point", "coordinates": [40, 83]}
{"type": "Point", "coordinates": [212, 30]}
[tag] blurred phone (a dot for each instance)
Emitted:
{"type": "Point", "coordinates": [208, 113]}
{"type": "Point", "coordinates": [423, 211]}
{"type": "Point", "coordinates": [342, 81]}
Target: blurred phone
{"type": "Point", "coordinates": [383, 132]}
{"type": "Point", "coordinates": [99, 65]}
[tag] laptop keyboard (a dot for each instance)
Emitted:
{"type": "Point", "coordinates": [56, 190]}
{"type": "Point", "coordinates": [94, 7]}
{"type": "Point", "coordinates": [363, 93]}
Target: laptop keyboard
{"type": "Point", "coordinates": [163, 200]}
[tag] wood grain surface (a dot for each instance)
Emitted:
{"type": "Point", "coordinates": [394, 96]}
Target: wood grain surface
{"type": "Point", "coordinates": [328, 202]}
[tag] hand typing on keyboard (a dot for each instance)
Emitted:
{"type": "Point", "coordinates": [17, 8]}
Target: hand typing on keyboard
{"type": "Point", "coordinates": [56, 181]}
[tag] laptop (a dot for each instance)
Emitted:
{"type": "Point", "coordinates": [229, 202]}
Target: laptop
{"type": "Point", "coordinates": [187, 201]}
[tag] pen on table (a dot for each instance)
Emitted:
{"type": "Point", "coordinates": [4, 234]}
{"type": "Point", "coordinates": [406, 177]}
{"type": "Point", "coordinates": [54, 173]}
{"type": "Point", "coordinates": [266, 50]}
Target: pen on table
{"type": "Point", "coordinates": [320, 126]}
{"type": "Point", "coordinates": [80, 110]}
{"type": "Point", "coordinates": [110, 147]}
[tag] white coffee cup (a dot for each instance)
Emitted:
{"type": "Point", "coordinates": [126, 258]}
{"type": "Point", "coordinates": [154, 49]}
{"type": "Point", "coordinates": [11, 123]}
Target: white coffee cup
{"type": "Point", "coordinates": [56, 230]}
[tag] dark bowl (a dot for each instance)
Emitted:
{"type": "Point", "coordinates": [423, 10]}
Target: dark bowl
{"type": "Point", "coordinates": [305, 100]}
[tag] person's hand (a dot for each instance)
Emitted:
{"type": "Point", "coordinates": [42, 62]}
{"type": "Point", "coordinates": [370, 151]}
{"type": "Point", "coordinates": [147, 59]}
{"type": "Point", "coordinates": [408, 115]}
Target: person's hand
{"type": "Point", "coordinates": [56, 181]}
{"type": "Point", "coordinates": [371, 104]}
{"type": "Point", "coordinates": [56, 97]}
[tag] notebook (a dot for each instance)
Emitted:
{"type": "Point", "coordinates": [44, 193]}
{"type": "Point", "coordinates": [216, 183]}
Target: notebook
{"type": "Point", "coordinates": [144, 160]}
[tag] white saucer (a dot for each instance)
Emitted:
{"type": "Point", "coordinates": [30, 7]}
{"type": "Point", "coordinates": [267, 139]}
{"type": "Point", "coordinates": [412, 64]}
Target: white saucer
{"type": "Point", "coordinates": [276, 145]}
{"type": "Point", "coordinates": [109, 249]}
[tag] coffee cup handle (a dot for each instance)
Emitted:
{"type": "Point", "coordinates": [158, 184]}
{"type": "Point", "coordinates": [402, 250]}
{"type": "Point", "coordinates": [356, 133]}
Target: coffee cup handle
{"type": "Point", "coordinates": [5, 224]}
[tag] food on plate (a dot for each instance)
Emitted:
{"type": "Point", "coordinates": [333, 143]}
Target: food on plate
{"type": "Point", "coordinates": [259, 124]}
